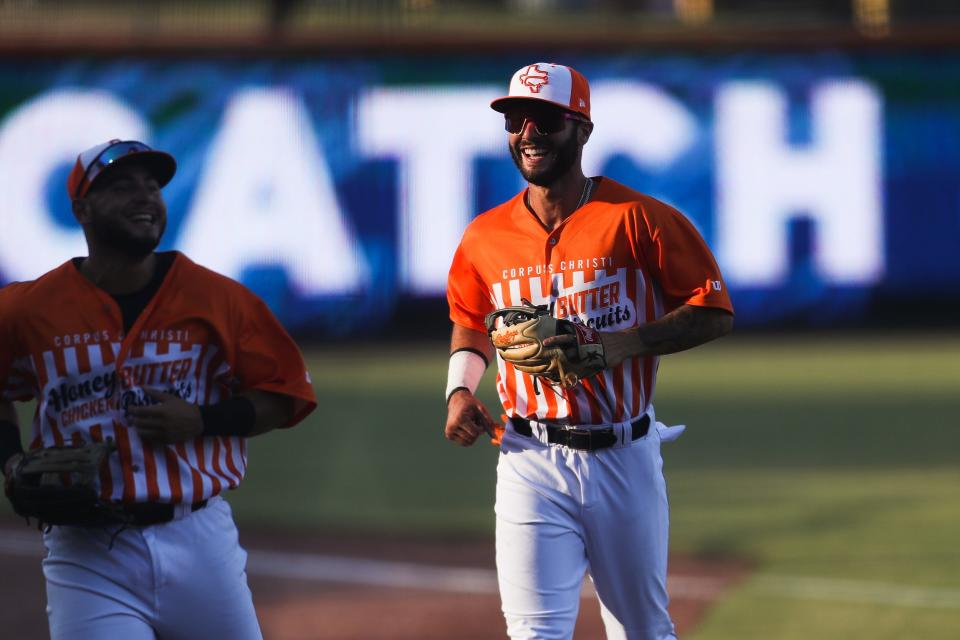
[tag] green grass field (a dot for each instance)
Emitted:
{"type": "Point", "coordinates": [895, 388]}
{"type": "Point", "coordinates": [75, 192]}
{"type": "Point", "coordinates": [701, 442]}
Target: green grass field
{"type": "Point", "coordinates": [822, 457]}
{"type": "Point", "coordinates": [831, 458]}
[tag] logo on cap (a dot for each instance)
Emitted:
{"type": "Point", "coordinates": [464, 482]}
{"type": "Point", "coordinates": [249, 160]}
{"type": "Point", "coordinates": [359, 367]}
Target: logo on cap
{"type": "Point", "coordinates": [534, 78]}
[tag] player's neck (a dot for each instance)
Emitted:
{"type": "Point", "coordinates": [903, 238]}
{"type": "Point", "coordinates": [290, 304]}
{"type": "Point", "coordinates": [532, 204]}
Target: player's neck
{"type": "Point", "coordinates": [118, 274]}
{"type": "Point", "coordinates": [554, 203]}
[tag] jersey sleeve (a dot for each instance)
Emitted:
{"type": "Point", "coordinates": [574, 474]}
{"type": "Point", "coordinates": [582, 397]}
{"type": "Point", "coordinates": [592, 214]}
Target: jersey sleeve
{"type": "Point", "coordinates": [680, 260]}
{"type": "Point", "coordinates": [268, 359]}
{"type": "Point", "coordinates": [467, 296]}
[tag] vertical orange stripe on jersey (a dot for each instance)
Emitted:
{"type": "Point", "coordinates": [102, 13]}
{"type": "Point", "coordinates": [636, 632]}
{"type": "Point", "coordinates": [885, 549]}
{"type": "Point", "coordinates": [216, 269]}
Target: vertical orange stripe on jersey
{"type": "Point", "coordinates": [648, 362]}
{"type": "Point", "coordinates": [215, 463]}
{"type": "Point", "coordinates": [243, 452]}
{"type": "Point", "coordinates": [505, 400]}
{"type": "Point", "coordinates": [126, 461]}
{"type": "Point", "coordinates": [196, 480]}
{"type": "Point", "coordinates": [509, 377]}
{"type": "Point", "coordinates": [198, 450]}
{"type": "Point", "coordinates": [576, 416]}
{"type": "Point", "coordinates": [83, 360]}
{"type": "Point", "coordinates": [60, 363]}
{"type": "Point", "coordinates": [591, 395]}
{"type": "Point", "coordinates": [56, 361]}
{"type": "Point", "coordinates": [235, 480]}
{"type": "Point", "coordinates": [647, 380]}
{"type": "Point", "coordinates": [530, 395]}
{"type": "Point", "coordinates": [611, 394]}
{"type": "Point", "coordinates": [150, 471]}
{"type": "Point", "coordinates": [55, 431]}
{"type": "Point", "coordinates": [549, 396]}
{"type": "Point", "coordinates": [636, 407]}
{"type": "Point", "coordinates": [106, 481]}
{"type": "Point", "coordinates": [201, 451]}
{"type": "Point", "coordinates": [173, 475]}
{"type": "Point", "coordinates": [219, 460]}
{"type": "Point", "coordinates": [618, 388]}
{"type": "Point", "coordinates": [106, 353]}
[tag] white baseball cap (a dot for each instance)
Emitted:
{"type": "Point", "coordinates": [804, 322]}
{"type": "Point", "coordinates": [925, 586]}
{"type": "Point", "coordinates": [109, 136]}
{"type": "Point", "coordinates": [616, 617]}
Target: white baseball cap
{"type": "Point", "coordinates": [554, 83]}
{"type": "Point", "coordinates": [100, 159]}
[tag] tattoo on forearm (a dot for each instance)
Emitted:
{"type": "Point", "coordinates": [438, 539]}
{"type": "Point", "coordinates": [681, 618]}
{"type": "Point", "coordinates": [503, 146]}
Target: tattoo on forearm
{"type": "Point", "coordinates": [684, 328]}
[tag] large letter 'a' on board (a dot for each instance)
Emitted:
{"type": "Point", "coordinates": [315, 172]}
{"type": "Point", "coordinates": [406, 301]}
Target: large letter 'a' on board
{"type": "Point", "coordinates": [435, 134]}
{"type": "Point", "coordinates": [267, 199]}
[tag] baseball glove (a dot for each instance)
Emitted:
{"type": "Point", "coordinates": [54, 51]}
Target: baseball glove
{"type": "Point", "coordinates": [518, 334]}
{"type": "Point", "coordinates": [61, 485]}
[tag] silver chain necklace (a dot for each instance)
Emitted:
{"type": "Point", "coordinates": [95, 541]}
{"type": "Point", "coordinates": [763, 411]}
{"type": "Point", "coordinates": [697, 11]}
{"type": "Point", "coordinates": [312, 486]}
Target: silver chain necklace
{"type": "Point", "coordinates": [587, 191]}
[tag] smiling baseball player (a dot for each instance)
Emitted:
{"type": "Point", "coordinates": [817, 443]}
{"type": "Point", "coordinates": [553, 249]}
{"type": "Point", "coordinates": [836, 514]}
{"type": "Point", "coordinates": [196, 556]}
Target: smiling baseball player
{"type": "Point", "coordinates": [581, 283]}
{"type": "Point", "coordinates": [150, 372]}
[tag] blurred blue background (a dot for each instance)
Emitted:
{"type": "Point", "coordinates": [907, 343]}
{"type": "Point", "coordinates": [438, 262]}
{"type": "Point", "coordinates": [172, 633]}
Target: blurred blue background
{"type": "Point", "coordinates": [824, 181]}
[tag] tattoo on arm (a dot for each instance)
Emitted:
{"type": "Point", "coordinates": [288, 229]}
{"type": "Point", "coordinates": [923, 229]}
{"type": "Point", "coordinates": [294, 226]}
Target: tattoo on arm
{"type": "Point", "coordinates": [684, 328]}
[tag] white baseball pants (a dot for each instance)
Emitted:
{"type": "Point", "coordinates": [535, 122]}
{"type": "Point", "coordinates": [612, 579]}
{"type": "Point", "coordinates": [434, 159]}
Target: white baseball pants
{"type": "Point", "coordinates": [563, 512]}
{"type": "Point", "coordinates": [181, 580]}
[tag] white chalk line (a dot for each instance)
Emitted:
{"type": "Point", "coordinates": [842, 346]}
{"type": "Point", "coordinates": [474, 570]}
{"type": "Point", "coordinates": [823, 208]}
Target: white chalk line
{"type": "Point", "coordinates": [379, 573]}
{"type": "Point", "coordinates": [405, 575]}
{"type": "Point", "coordinates": [855, 591]}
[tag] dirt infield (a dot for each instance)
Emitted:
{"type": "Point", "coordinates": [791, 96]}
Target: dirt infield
{"type": "Point", "coordinates": [310, 586]}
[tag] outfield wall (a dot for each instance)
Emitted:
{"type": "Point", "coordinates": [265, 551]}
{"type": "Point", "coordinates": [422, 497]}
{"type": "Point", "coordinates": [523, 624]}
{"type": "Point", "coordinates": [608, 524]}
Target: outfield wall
{"type": "Point", "coordinates": [337, 186]}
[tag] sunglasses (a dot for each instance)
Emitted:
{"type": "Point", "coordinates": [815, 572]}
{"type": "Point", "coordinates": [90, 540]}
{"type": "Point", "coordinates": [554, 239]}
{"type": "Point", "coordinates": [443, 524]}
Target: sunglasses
{"type": "Point", "coordinates": [107, 157]}
{"type": "Point", "coordinates": [544, 122]}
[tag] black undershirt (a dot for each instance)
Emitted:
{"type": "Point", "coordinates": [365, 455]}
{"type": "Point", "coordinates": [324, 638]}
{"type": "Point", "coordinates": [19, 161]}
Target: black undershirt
{"type": "Point", "coordinates": [132, 304]}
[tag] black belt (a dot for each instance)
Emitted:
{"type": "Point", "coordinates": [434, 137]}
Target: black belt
{"type": "Point", "coordinates": [144, 514]}
{"type": "Point", "coordinates": [581, 438]}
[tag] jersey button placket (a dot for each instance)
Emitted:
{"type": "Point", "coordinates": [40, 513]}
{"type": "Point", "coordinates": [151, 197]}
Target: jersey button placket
{"type": "Point", "coordinates": [547, 279]}
{"type": "Point", "coordinates": [552, 240]}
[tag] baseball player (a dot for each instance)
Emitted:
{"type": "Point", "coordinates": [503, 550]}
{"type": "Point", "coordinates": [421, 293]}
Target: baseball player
{"type": "Point", "coordinates": [579, 480]}
{"type": "Point", "coordinates": [176, 366]}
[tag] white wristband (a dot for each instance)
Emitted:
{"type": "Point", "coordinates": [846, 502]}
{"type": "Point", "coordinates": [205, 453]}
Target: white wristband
{"type": "Point", "coordinates": [466, 369]}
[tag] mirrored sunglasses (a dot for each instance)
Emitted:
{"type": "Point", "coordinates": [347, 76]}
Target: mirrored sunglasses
{"type": "Point", "coordinates": [544, 122]}
{"type": "Point", "coordinates": [107, 157]}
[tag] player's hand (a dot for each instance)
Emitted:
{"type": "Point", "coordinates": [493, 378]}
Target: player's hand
{"type": "Point", "coordinates": [10, 464]}
{"type": "Point", "coordinates": [565, 340]}
{"type": "Point", "coordinates": [615, 345]}
{"type": "Point", "coordinates": [170, 421]}
{"type": "Point", "coordinates": [467, 418]}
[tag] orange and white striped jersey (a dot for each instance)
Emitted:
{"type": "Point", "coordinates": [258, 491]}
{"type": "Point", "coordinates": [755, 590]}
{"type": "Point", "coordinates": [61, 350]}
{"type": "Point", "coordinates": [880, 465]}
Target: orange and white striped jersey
{"type": "Point", "coordinates": [621, 260]}
{"type": "Point", "coordinates": [202, 337]}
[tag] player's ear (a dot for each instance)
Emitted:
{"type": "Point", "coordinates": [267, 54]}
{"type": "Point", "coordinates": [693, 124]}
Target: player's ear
{"type": "Point", "coordinates": [583, 132]}
{"type": "Point", "coordinates": [81, 210]}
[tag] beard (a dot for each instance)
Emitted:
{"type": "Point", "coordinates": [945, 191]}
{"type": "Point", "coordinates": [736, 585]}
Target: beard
{"type": "Point", "coordinates": [125, 242]}
{"type": "Point", "coordinates": [566, 156]}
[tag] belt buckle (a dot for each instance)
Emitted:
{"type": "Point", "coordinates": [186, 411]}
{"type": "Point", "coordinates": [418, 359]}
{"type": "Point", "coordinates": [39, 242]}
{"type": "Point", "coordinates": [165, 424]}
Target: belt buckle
{"type": "Point", "coordinates": [575, 433]}
{"type": "Point", "coordinates": [595, 438]}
